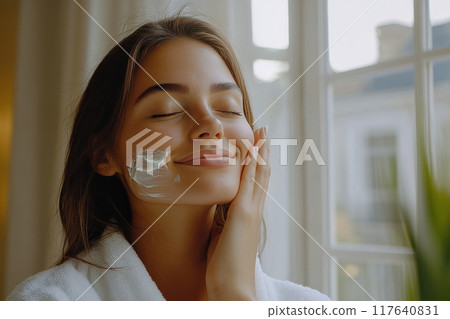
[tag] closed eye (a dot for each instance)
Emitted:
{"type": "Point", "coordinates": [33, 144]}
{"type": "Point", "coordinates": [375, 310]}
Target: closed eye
{"type": "Point", "coordinates": [231, 112]}
{"type": "Point", "coordinates": [164, 115]}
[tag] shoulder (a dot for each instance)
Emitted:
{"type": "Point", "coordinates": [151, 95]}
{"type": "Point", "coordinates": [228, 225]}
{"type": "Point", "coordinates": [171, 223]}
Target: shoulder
{"type": "Point", "coordinates": [269, 288]}
{"type": "Point", "coordinates": [67, 281]}
{"type": "Point", "coordinates": [111, 270]}
{"type": "Point", "coordinates": [62, 282]}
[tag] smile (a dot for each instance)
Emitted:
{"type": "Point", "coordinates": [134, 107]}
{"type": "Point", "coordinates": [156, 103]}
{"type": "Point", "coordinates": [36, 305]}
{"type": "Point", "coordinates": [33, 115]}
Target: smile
{"type": "Point", "coordinates": [209, 158]}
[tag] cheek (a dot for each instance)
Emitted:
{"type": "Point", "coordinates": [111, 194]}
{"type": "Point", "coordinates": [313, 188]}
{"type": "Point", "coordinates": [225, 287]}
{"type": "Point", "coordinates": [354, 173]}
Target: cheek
{"type": "Point", "coordinates": [148, 179]}
{"type": "Point", "coordinates": [133, 140]}
{"type": "Point", "coordinates": [159, 184]}
{"type": "Point", "coordinates": [144, 155]}
{"type": "Point", "coordinates": [243, 135]}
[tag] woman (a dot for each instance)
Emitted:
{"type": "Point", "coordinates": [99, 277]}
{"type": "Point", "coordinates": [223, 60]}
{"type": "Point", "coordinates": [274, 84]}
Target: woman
{"type": "Point", "coordinates": [161, 158]}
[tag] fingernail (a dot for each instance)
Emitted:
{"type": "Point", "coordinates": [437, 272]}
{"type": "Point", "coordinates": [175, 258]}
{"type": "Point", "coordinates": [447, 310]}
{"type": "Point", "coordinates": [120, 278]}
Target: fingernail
{"type": "Point", "coordinates": [266, 130]}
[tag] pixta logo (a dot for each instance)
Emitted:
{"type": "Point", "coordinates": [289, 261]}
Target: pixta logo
{"type": "Point", "coordinates": [145, 151]}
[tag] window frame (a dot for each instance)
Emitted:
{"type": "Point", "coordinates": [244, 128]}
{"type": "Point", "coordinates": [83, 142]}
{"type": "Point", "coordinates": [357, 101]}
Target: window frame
{"type": "Point", "coordinates": [317, 121]}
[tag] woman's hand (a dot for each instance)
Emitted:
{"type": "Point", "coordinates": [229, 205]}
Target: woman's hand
{"type": "Point", "coordinates": [230, 273]}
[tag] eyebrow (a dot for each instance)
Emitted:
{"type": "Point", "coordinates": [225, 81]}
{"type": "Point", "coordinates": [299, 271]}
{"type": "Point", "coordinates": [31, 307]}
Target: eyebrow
{"type": "Point", "coordinates": [164, 87]}
{"type": "Point", "coordinates": [225, 86]}
{"type": "Point", "coordinates": [184, 89]}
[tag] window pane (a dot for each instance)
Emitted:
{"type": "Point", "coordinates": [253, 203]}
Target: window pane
{"type": "Point", "coordinates": [372, 158]}
{"type": "Point", "coordinates": [383, 32]}
{"type": "Point", "coordinates": [441, 120]}
{"type": "Point", "coordinates": [440, 23]}
{"type": "Point", "coordinates": [269, 70]}
{"type": "Point", "coordinates": [270, 23]}
{"type": "Point", "coordinates": [381, 281]}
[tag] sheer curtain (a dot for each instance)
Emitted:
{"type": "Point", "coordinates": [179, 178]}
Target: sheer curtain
{"type": "Point", "coordinates": [59, 45]}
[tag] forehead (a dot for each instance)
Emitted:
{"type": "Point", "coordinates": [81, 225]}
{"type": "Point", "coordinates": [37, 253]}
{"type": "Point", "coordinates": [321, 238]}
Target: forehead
{"type": "Point", "coordinates": [185, 61]}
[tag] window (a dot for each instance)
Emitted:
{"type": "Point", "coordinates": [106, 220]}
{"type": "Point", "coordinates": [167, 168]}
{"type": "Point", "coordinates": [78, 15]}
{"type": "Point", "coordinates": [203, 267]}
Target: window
{"type": "Point", "coordinates": [270, 24]}
{"type": "Point", "coordinates": [386, 78]}
{"type": "Point", "coordinates": [270, 33]}
{"type": "Point", "coordinates": [260, 34]}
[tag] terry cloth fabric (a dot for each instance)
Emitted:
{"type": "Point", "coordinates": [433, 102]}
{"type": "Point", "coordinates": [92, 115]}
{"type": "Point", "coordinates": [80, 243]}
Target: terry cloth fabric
{"type": "Point", "coordinates": [128, 278]}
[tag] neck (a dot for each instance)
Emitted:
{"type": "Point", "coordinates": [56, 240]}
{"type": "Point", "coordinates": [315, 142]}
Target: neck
{"type": "Point", "coordinates": [174, 248]}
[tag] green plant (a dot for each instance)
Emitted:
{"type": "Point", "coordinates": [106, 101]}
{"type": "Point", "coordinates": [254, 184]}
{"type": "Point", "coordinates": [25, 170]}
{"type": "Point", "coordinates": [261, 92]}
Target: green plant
{"type": "Point", "coordinates": [430, 241]}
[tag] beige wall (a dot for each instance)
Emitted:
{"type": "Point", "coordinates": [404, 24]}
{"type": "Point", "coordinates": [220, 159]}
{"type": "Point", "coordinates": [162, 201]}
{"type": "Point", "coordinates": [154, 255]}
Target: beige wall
{"type": "Point", "coordinates": [8, 28]}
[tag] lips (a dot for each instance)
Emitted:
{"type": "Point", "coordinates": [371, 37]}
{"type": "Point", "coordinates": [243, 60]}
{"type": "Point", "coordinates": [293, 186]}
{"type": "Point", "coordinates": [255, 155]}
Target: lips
{"type": "Point", "coordinates": [210, 158]}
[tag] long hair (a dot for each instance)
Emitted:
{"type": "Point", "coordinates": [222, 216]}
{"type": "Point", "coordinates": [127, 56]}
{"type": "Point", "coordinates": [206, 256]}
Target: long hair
{"type": "Point", "coordinates": [90, 202]}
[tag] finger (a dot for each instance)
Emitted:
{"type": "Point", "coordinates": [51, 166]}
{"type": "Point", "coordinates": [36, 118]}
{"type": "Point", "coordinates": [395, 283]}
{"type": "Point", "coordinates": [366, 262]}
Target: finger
{"type": "Point", "coordinates": [248, 174]}
{"type": "Point", "coordinates": [262, 173]}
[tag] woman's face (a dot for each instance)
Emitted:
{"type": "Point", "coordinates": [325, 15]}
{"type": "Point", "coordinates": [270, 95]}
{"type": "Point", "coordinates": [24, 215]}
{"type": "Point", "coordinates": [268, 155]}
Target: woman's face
{"type": "Point", "coordinates": [207, 132]}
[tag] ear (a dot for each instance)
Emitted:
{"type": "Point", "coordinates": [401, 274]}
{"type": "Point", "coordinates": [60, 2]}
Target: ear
{"type": "Point", "coordinates": [106, 166]}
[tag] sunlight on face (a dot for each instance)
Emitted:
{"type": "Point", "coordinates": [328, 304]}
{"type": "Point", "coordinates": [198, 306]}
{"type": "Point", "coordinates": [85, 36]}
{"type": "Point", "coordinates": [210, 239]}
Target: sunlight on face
{"type": "Point", "coordinates": [186, 123]}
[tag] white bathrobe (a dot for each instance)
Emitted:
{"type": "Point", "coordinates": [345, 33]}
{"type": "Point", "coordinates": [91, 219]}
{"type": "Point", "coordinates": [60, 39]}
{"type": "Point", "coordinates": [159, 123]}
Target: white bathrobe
{"type": "Point", "coordinates": [128, 279]}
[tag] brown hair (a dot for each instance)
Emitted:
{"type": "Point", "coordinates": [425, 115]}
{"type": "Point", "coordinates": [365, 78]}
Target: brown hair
{"type": "Point", "coordinates": [89, 202]}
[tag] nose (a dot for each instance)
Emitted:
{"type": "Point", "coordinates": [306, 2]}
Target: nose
{"type": "Point", "coordinates": [208, 127]}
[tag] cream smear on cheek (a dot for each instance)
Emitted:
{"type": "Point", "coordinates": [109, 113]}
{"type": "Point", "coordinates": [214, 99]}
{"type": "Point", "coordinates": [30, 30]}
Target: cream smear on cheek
{"type": "Point", "coordinates": [150, 172]}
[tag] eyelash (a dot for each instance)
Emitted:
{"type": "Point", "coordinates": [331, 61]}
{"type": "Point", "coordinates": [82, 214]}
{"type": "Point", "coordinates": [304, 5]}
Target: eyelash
{"type": "Point", "coordinates": [164, 115]}
{"type": "Point", "coordinates": [233, 113]}
{"type": "Point", "coordinates": [175, 113]}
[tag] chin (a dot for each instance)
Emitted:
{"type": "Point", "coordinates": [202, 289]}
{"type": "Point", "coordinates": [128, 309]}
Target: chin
{"type": "Point", "coordinates": [210, 191]}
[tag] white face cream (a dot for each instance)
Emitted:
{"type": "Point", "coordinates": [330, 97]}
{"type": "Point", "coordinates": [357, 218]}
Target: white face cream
{"type": "Point", "coordinates": [149, 170]}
